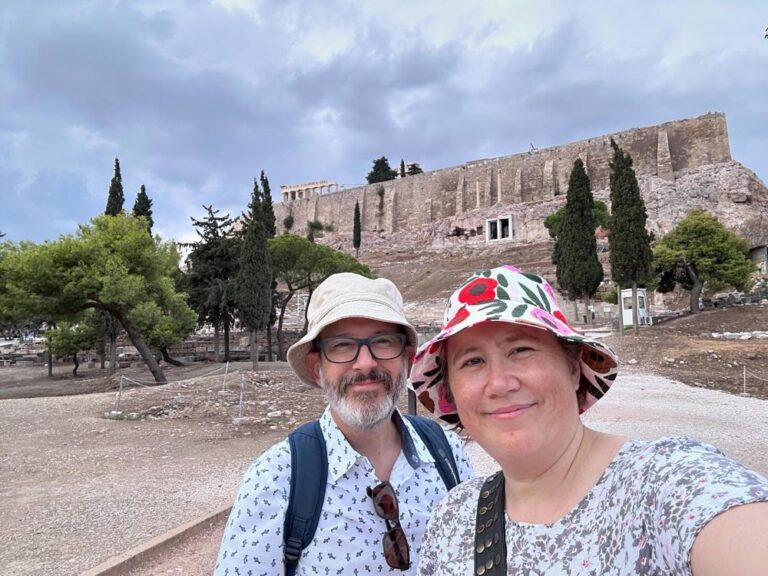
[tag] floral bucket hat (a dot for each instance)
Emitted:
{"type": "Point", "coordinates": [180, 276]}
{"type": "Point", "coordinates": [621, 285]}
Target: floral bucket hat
{"type": "Point", "coordinates": [506, 294]}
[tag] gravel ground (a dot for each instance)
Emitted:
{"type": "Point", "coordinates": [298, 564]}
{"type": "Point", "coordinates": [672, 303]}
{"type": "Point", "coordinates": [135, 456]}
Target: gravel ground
{"type": "Point", "coordinates": [639, 406]}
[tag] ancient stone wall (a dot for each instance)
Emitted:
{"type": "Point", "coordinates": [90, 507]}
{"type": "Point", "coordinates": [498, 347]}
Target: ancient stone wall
{"type": "Point", "coordinates": [681, 164]}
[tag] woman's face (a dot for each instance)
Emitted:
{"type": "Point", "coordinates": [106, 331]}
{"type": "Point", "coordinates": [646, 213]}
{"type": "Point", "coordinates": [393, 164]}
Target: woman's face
{"type": "Point", "coordinates": [515, 389]}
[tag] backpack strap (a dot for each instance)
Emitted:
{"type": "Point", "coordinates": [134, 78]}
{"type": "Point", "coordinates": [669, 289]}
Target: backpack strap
{"type": "Point", "coordinates": [490, 536]}
{"type": "Point", "coordinates": [433, 435]}
{"type": "Point", "coordinates": [309, 467]}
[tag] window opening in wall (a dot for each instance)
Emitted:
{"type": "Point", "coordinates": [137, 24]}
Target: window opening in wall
{"type": "Point", "coordinates": [479, 230]}
{"type": "Point", "coordinates": [499, 229]}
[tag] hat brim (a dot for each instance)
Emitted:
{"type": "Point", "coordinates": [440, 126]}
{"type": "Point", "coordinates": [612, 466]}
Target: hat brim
{"type": "Point", "coordinates": [598, 363]}
{"type": "Point", "coordinates": [370, 309]}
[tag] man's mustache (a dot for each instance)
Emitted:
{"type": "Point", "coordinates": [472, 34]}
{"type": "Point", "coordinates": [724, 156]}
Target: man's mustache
{"type": "Point", "coordinates": [376, 375]}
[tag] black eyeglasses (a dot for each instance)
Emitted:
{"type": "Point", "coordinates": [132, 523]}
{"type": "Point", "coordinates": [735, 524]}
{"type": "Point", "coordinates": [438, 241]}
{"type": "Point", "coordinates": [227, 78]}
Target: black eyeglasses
{"type": "Point", "coordinates": [341, 349]}
{"type": "Point", "coordinates": [396, 550]}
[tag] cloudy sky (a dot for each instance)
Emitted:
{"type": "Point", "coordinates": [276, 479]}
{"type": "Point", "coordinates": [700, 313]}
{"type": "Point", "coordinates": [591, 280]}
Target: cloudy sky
{"type": "Point", "coordinates": [195, 97]}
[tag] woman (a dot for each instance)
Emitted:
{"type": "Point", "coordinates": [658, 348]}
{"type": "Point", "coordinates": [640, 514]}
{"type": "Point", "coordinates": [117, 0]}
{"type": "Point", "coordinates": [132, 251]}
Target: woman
{"type": "Point", "coordinates": [568, 500]}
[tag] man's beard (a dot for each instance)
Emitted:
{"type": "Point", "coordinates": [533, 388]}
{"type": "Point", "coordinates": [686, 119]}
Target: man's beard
{"type": "Point", "coordinates": [364, 410]}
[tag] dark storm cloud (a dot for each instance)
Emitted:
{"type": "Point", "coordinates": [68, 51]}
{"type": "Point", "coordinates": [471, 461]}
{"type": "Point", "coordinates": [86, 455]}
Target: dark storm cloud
{"type": "Point", "coordinates": [195, 98]}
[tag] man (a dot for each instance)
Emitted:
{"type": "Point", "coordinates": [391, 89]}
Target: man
{"type": "Point", "coordinates": [382, 480]}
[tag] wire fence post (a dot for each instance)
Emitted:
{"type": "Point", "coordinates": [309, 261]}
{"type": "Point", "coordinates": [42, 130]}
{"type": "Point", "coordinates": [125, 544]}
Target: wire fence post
{"type": "Point", "coordinates": [242, 388]}
{"type": "Point", "coordinates": [224, 382]}
{"type": "Point", "coordinates": [744, 393]}
{"type": "Point", "coordinates": [119, 394]}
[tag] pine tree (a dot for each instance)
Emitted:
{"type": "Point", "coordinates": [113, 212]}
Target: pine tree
{"type": "Point", "coordinates": [116, 198]}
{"type": "Point", "coordinates": [143, 207]}
{"type": "Point", "coordinates": [356, 230]}
{"type": "Point", "coordinates": [402, 168]}
{"type": "Point", "coordinates": [414, 169]}
{"type": "Point", "coordinates": [578, 269]}
{"type": "Point", "coordinates": [381, 171]}
{"type": "Point", "coordinates": [253, 285]}
{"type": "Point", "coordinates": [630, 244]}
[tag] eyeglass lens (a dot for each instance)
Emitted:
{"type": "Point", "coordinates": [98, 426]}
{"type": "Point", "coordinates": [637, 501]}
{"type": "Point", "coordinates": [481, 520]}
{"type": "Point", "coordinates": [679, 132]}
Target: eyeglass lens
{"type": "Point", "coordinates": [346, 349]}
{"type": "Point", "coordinates": [396, 550]}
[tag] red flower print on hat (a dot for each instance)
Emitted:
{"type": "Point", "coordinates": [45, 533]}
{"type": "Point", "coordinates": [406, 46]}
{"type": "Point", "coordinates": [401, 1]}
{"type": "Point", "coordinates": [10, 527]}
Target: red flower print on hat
{"type": "Point", "coordinates": [478, 291]}
{"type": "Point", "coordinates": [460, 316]}
{"type": "Point", "coordinates": [560, 316]}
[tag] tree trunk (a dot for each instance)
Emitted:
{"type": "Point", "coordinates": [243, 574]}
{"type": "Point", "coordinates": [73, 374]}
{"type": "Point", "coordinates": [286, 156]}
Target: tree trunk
{"type": "Point", "coordinates": [144, 351]}
{"type": "Point", "coordinates": [269, 343]}
{"type": "Point", "coordinates": [216, 343]}
{"type": "Point", "coordinates": [698, 285]}
{"type": "Point", "coordinates": [226, 337]}
{"type": "Point", "coordinates": [167, 357]}
{"type": "Point", "coordinates": [50, 361]}
{"type": "Point", "coordinates": [135, 337]}
{"type": "Point", "coordinates": [306, 309]}
{"type": "Point", "coordinates": [254, 346]}
{"type": "Point", "coordinates": [283, 306]}
{"type": "Point", "coordinates": [77, 364]}
{"type": "Point", "coordinates": [635, 311]}
{"type": "Point", "coordinates": [575, 310]}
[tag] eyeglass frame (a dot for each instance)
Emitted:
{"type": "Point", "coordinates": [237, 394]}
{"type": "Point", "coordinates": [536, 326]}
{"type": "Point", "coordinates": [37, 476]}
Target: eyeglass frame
{"type": "Point", "coordinates": [321, 343]}
{"type": "Point", "coordinates": [393, 526]}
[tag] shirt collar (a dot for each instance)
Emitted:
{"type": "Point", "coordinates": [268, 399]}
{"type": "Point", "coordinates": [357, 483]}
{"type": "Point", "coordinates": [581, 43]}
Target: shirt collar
{"type": "Point", "coordinates": [341, 455]}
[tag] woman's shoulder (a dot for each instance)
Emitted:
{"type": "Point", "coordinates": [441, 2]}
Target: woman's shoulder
{"type": "Point", "coordinates": [465, 494]}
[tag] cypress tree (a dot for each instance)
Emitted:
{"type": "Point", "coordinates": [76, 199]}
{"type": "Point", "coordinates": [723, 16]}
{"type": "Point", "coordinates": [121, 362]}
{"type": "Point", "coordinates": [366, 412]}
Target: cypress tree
{"type": "Point", "coordinates": [629, 241]}
{"type": "Point", "coordinates": [268, 208]}
{"type": "Point", "coordinates": [402, 168]}
{"type": "Point", "coordinates": [253, 285]}
{"type": "Point", "coordinates": [578, 269]}
{"type": "Point", "coordinates": [143, 207]}
{"type": "Point", "coordinates": [116, 198]}
{"type": "Point", "coordinates": [356, 230]}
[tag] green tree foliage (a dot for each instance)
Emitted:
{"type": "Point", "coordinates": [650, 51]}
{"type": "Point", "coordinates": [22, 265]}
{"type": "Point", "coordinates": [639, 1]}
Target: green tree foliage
{"type": "Point", "coordinates": [253, 284]}
{"type": "Point", "coordinates": [111, 265]}
{"type": "Point", "coordinates": [414, 169]}
{"type": "Point", "coordinates": [300, 265]}
{"type": "Point", "coordinates": [211, 269]}
{"type": "Point", "coordinates": [630, 244]}
{"type": "Point", "coordinates": [578, 269]}
{"type": "Point", "coordinates": [356, 230]}
{"type": "Point", "coordinates": [288, 222]}
{"type": "Point", "coordinates": [271, 229]}
{"type": "Point", "coordinates": [381, 171]}
{"type": "Point", "coordinates": [68, 339]}
{"type": "Point", "coordinates": [267, 206]}
{"type": "Point", "coordinates": [599, 212]}
{"type": "Point", "coordinates": [402, 168]}
{"type": "Point", "coordinates": [116, 197]}
{"type": "Point", "coordinates": [313, 227]}
{"type": "Point", "coordinates": [700, 253]}
{"type": "Point", "coordinates": [143, 207]}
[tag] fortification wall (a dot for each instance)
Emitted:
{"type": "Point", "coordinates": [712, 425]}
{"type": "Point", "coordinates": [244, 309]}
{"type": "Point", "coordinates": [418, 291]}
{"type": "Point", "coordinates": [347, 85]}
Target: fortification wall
{"type": "Point", "coordinates": [673, 161]}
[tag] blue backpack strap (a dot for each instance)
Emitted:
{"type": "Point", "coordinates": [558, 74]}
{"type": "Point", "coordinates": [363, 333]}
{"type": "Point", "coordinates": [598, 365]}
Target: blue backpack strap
{"type": "Point", "coordinates": [433, 435]}
{"type": "Point", "coordinates": [309, 474]}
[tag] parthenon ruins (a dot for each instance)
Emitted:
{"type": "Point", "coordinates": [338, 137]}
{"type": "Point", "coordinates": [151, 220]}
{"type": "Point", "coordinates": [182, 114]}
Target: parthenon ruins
{"type": "Point", "coordinates": [307, 190]}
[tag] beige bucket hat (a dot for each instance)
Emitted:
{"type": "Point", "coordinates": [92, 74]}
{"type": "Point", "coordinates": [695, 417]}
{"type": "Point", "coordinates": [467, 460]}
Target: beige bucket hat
{"type": "Point", "coordinates": [348, 295]}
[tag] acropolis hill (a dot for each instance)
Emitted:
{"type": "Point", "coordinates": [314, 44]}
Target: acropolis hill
{"type": "Point", "coordinates": [494, 205]}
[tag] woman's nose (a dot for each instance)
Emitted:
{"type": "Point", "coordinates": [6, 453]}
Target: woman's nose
{"type": "Point", "coordinates": [501, 379]}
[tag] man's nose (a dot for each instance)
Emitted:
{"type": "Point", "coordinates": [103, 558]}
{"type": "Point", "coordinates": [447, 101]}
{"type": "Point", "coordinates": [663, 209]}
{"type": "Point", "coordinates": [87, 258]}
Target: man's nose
{"type": "Point", "coordinates": [364, 357]}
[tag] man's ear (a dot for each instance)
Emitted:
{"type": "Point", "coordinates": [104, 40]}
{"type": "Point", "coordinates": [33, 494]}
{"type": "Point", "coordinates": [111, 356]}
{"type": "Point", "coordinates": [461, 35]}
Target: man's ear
{"type": "Point", "coordinates": [410, 353]}
{"type": "Point", "coordinates": [312, 362]}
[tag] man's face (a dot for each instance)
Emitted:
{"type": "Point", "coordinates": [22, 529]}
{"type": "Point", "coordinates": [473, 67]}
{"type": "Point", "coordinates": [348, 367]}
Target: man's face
{"type": "Point", "coordinates": [362, 392]}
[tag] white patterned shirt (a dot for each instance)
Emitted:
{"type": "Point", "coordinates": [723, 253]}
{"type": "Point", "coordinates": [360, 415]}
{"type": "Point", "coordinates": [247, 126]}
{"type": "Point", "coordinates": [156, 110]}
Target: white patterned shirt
{"type": "Point", "coordinates": [349, 534]}
{"type": "Point", "coordinates": [641, 517]}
